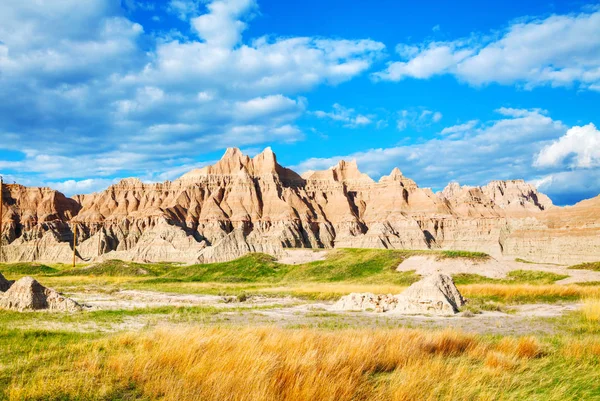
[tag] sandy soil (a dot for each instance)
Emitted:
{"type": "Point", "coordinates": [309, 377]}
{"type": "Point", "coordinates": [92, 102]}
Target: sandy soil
{"type": "Point", "coordinates": [132, 299]}
{"type": "Point", "coordinates": [299, 256]}
{"type": "Point", "coordinates": [428, 264]}
{"type": "Point", "coordinates": [289, 313]}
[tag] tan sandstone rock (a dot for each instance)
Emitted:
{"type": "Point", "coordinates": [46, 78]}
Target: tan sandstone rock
{"type": "Point", "coordinates": [435, 294]}
{"type": "Point", "coordinates": [242, 204]}
{"type": "Point", "coordinates": [366, 301]}
{"type": "Point", "coordinates": [27, 294]}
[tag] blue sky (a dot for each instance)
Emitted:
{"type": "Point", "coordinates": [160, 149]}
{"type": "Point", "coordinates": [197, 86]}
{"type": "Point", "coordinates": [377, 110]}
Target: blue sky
{"type": "Point", "coordinates": [95, 91]}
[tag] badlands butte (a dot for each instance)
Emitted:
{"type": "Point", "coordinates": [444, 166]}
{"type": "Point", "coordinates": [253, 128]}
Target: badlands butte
{"type": "Point", "coordinates": [242, 204]}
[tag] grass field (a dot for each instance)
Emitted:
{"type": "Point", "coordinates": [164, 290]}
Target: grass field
{"type": "Point", "coordinates": [266, 363]}
{"type": "Point", "coordinates": [216, 353]}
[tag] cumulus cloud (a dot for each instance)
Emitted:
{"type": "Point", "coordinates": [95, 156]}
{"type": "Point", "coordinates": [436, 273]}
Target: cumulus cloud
{"type": "Point", "coordinates": [560, 50]}
{"type": "Point", "coordinates": [580, 144]}
{"type": "Point", "coordinates": [71, 187]}
{"type": "Point", "coordinates": [569, 187]}
{"type": "Point", "coordinates": [99, 97]}
{"type": "Point", "coordinates": [504, 148]}
{"type": "Point", "coordinates": [348, 116]}
{"type": "Point", "coordinates": [221, 26]}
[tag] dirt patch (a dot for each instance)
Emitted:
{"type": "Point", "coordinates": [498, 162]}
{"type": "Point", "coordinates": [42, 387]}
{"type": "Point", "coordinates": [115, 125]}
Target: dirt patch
{"type": "Point", "coordinates": [300, 256]}
{"type": "Point", "coordinates": [133, 299]}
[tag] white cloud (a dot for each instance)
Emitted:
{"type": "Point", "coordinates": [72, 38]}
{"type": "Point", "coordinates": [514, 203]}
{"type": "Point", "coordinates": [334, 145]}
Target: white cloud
{"type": "Point", "coordinates": [582, 143]}
{"type": "Point", "coordinates": [348, 116]}
{"type": "Point", "coordinates": [560, 50]}
{"type": "Point", "coordinates": [221, 26]}
{"type": "Point", "coordinates": [460, 128]}
{"type": "Point", "coordinates": [418, 118]}
{"type": "Point", "coordinates": [499, 149]}
{"type": "Point", "coordinates": [99, 97]}
{"type": "Point", "coordinates": [569, 187]}
{"type": "Point", "coordinates": [72, 187]}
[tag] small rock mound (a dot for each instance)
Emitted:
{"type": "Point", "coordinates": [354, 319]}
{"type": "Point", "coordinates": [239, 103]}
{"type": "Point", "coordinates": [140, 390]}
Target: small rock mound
{"type": "Point", "coordinates": [4, 283]}
{"type": "Point", "coordinates": [27, 294]}
{"type": "Point", "coordinates": [366, 301]}
{"type": "Point", "coordinates": [435, 294]}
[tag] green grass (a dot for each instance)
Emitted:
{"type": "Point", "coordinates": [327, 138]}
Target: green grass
{"type": "Point", "coordinates": [513, 277]}
{"type": "Point", "coordinates": [349, 265]}
{"type": "Point", "coordinates": [119, 268]}
{"type": "Point", "coordinates": [465, 255]}
{"type": "Point", "coordinates": [524, 261]}
{"type": "Point", "coordinates": [26, 268]}
{"type": "Point", "coordinates": [595, 266]}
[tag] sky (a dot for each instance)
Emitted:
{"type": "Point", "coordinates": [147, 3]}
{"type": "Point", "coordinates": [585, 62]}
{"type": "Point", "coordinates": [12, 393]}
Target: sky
{"type": "Point", "coordinates": [468, 91]}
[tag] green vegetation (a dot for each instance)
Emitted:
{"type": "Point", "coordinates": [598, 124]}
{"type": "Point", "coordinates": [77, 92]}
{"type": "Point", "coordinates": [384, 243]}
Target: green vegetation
{"type": "Point", "coordinates": [26, 268]}
{"type": "Point", "coordinates": [349, 265]}
{"type": "Point", "coordinates": [192, 352]}
{"type": "Point", "coordinates": [465, 254]}
{"type": "Point", "coordinates": [196, 362]}
{"type": "Point", "coordinates": [513, 277]}
{"type": "Point", "coordinates": [524, 261]}
{"type": "Point", "coordinates": [119, 268]}
{"type": "Point", "coordinates": [595, 266]}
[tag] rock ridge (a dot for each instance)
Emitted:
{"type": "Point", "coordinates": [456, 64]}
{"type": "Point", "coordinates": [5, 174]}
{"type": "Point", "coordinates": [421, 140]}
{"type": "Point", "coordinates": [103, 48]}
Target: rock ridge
{"type": "Point", "coordinates": [242, 204]}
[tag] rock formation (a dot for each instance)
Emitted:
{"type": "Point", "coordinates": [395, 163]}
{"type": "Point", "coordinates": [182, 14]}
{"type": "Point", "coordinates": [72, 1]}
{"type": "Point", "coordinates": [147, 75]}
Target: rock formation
{"type": "Point", "coordinates": [366, 302]}
{"type": "Point", "coordinates": [244, 204]}
{"type": "Point", "coordinates": [27, 294]}
{"type": "Point", "coordinates": [435, 294]}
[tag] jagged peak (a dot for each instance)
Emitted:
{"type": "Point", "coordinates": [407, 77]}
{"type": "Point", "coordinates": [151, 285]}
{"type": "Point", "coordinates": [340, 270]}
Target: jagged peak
{"type": "Point", "coordinates": [235, 163]}
{"type": "Point", "coordinates": [395, 175]}
{"type": "Point", "coordinates": [129, 182]}
{"type": "Point", "coordinates": [265, 162]}
{"type": "Point", "coordinates": [396, 172]}
{"type": "Point", "coordinates": [341, 172]}
{"type": "Point", "coordinates": [348, 171]}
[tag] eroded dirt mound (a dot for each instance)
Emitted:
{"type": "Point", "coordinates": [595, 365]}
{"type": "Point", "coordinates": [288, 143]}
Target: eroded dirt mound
{"type": "Point", "coordinates": [366, 301]}
{"type": "Point", "coordinates": [27, 294]}
{"type": "Point", "coordinates": [435, 294]}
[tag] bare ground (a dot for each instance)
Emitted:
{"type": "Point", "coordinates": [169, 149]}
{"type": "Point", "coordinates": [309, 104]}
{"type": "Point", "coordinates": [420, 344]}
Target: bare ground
{"type": "Point", "coordinates": [285, 312]}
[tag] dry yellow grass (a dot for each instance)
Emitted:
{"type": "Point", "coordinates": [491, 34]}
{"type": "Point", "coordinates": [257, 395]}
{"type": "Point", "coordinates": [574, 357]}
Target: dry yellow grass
{"type": "Point", "coordinates": [591, 309]}
{"type": "Point", "coordinates": [275, 364]}
{"type": "Point", "coordinates": [528, 290]}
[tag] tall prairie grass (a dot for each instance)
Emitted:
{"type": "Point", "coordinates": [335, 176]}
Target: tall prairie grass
{"type": "Point", "coordinates": [591, 310]}
{"type": "Point", "coordinates": [275, 364]}
{"type": "Point", "coordinates": [547, 292]}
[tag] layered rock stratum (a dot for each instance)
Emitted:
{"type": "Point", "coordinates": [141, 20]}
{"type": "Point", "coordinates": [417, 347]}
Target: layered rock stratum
{"type": "Point", "coordinates": [242, 204]}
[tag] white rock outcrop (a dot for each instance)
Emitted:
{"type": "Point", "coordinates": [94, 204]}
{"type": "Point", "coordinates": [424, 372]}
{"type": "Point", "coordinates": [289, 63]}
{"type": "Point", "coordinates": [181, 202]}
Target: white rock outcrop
{"type": "Point", "coordinates": [435, 295]}
{"type": "Point", "coordinates": [27, 294]}
{"type": "Point", "coordinates": [366, 301]}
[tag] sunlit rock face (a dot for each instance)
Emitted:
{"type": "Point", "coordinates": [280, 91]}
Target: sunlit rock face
{"type": "Point", "coordinates": [244, 204]}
